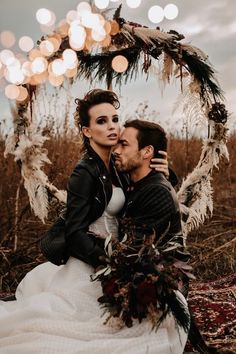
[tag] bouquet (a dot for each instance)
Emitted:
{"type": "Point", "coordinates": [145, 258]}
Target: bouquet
{"type": "Point", "coordinates": [140, 280]}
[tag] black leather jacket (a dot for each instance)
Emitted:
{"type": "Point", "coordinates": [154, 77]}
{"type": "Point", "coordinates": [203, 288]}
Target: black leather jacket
{"type": "Point", "coordinates": [88, 193]}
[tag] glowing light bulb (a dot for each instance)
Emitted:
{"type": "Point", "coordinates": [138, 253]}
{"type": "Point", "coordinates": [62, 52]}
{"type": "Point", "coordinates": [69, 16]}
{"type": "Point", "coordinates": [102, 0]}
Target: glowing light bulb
{"type": "Point", "coordinates": [27, 68]}
{"type": "Point", "coordinates": [101, 4]}
{"type": "Point", "coordinates": [171, 11]}
{"type": "Point", "coordinates": [26, 43]}
{"type": "Point", "coordinates": [43, 16]}
{"type": "Point", "coordinates": [58, 67]}
{"type": "Point", "coordinates": [98, 34]}
{"type": "Point", "coordinates": [56, 80]}
{"type": "Point", "coordinates": [119, 63]}
{"type": "Point", "coordinates": [71, 16]}
{"type": "Point", "coordinates": [23, 94]}
{"type": "Point", "coordinates": [156, 14]}
{"type": "Point", "coordinates": [5, 54]}
{"type": "Point", "coordinates": [133, 3]}
{"type": "Point", "coordinates": [12, 91]}
{"type": "Point", "coordinates": [83, 7]}
{"type": "Point", "coordinates": [70, 58]}
{"type": "Point", "coordinates": [7, 39]}
{"type": "Point", "coordinates": [39, 65]}
{"type": "Point", "coordinates": [46, 48]}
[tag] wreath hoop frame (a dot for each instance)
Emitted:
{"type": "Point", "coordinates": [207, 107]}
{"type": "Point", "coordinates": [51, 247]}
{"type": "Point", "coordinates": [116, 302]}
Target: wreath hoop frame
{"type": "Point", "coordinates": [201, 95]}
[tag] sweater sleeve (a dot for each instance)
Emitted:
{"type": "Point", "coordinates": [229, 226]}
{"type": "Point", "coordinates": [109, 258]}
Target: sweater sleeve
{"type": "Point", "coordinates": [80, 192]}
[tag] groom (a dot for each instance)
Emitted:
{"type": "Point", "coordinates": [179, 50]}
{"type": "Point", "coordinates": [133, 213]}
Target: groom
{"type": "Point", "coordinates": [151, 199]}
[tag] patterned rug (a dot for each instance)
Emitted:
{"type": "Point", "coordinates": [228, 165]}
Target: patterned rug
{"type": "Point", "coordinates": [214, 307]}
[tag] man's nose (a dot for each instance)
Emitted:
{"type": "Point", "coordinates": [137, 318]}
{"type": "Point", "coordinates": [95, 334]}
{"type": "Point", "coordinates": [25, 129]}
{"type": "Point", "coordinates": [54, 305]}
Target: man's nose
{"type": "Point", "coordinates": [117, 150]}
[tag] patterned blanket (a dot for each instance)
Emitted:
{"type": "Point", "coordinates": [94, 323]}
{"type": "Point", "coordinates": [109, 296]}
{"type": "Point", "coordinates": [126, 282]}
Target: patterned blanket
{"type": "Point", "coordinates": [214, 307]}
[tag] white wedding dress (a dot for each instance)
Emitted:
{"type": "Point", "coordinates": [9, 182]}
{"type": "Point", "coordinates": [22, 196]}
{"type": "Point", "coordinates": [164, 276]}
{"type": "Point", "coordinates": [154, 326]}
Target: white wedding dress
{"type": "Point", "coordinates": [57, 312]}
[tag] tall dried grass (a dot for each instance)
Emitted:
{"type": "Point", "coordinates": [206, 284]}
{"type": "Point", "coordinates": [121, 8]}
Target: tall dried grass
{"type": "Point", "coordinates": [212, 246]}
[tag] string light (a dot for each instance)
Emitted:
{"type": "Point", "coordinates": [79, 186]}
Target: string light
{"type": "Point", "coordinates": [12, 91]}
{"type": "Point", "coordinates": [119, 63]}
{"type": "Point", "coordinates": [7, 39]}
{"type": "Point", "coordinates": [101, 4]}
{"type": "Point", "coordinates": [26, 43]}
{"type": "Point", "coordinates": [5, 54]}
{"type": "Point", "coordinates": [133, 3]}
{"type": "Point", "coordinates": [171, 11]}
{"type": "Point", "coordinates": [156, 14]}
{"type": "Point", "coordinates": [43, 16]}
{"type": "Point", "coordinates": [83, 7]}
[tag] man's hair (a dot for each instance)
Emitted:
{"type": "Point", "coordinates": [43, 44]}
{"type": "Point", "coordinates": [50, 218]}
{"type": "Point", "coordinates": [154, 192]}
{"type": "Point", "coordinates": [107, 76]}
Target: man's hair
{"type": "Point", "coordinates": [149, 133]}
{"type": "Point", "coordinates": [92, 98]}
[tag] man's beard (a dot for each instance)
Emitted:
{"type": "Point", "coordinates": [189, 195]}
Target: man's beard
{"type": "Point", "coordinates": [129, 166]}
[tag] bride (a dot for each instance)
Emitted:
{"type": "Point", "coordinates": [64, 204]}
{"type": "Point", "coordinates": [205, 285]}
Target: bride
{"type": "Point", "coordinates": [56, 308]}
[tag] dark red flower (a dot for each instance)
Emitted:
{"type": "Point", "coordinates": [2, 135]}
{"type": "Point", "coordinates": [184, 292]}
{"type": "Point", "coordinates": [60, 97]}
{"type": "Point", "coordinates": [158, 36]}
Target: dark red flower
{"type": "Point", "coordinates": [110, 287]}
{"type": "Point", "coordinates": [146, 293]}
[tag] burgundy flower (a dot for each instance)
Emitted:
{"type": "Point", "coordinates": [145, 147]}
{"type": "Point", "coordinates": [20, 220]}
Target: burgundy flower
{"type": "Point", "coordinates": [110, 287]}
{"type": "Point", "coordinates": [146, 293]}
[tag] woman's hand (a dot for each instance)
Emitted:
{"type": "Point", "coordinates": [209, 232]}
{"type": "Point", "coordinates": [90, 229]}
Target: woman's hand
{"type": "Point", "coordinates": [161, 164]}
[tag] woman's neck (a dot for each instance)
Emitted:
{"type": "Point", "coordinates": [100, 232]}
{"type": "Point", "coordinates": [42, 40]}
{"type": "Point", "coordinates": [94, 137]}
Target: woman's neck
{"type": "Point", "coordinates": [104, 152]}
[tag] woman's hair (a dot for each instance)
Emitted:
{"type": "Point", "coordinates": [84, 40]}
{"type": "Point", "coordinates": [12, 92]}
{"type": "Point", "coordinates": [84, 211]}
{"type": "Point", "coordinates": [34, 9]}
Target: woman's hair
{"type": "Point", "coordinates": [149, 133]}
{"type": "Point", "coordinates": [92, 98]}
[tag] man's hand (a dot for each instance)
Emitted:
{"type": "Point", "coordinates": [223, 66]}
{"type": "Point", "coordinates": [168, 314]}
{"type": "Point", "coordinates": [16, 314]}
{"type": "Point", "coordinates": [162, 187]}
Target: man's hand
{"type": "Point", "coordinates": [161, 164]}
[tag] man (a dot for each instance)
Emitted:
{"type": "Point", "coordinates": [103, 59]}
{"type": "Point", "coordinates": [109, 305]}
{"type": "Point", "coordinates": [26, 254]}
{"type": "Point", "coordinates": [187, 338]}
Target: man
{"type": "Point", "coordinates": [151, 201]}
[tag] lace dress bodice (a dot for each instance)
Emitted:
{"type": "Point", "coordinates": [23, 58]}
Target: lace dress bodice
{"type": "Point", "coordinates": [107, 224]}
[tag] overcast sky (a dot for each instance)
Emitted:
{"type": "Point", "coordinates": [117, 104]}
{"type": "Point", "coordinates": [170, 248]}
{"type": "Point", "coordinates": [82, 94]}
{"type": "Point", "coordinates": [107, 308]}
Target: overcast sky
{"type": "Point", "coordinates": [207, 24]}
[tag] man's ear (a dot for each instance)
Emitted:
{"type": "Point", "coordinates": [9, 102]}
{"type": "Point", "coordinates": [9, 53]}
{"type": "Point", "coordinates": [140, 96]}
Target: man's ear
{"type": "Point", "coordinates": [148, 152]}
{"type": "Point", "coordinates": [86, 132]}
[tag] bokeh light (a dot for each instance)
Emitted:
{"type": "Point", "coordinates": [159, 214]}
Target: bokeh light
{"type": "Point", "coordinates": [119, 63]}
{"type": "Point", "coordinates": [98, 34]}
{"type": "Point", "coordinates": [171, 11]}
{"type": "Point", "coordinates": [71, 73]}
{"type": "Point", "coordinates": [71, 16]}
{"type": "Point", "coordinates": [5, 54]}
{"type": "Point", "coordinates": [133, 3]}
{"type": "Point", "coordinates": [56, 80]}
{"type": "Point", "coordinates": [156, 14]}
{"type": "Point", "coordinates": [26, 43]}
{"type": "Point", "coordinates": [101, 4]}
{"type": "Point", "coordinates": [34, 53]}
{"type": "Point", "coordinates": [27, 68]}
{"type": "Point", "coordinates": [46, 48]}
{"type": "Point", "coordinates": [12, 91]}
{"type": "Point", "coordinates": [70, 58]}
{"type": "Point", "coordinates": [83, 7]}
{"type": "Point", "coordinates": [58, 67]}
{"type": "Point", "coordinates": [43, 16]}
{"type": "Point", "coordinates": [23, 94]}
{"type": "Point", "coordinates": [7, 39]}
{"type": "Point", "coordinates": [39, 65]}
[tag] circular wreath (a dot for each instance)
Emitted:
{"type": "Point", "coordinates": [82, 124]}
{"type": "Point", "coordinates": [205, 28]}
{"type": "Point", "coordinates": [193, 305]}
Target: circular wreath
{"type": "Point", "coordinates": [201, 98]}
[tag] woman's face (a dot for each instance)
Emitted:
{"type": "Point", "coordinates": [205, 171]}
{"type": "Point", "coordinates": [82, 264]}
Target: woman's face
{"type": "Point", "coordinates": [104, 127]}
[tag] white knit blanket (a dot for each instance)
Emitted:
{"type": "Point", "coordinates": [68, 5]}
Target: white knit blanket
{"type": "Point", "coordinates": [57, 312]}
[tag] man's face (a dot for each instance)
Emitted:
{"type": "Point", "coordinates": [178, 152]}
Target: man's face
{"type": "Point", "coordinates": [127, 154]}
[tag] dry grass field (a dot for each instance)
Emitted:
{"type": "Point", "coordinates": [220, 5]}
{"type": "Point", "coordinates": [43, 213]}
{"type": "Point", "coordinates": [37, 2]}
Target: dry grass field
{"type": "Point", "coordinates": [212, 246]}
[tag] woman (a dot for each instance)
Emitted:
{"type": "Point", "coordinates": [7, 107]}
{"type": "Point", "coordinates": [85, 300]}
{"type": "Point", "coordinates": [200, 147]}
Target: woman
{"type": "Point", "coordinates": [56, 309]}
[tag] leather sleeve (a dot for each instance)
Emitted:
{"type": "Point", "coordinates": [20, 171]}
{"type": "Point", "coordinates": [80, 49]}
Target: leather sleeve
{"type": "Point", "coordinates": [160, 207]}
{"type": "Point", "coordinates": [173, 179]}
{"type": "Point", "coordinates": [80, 193]}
